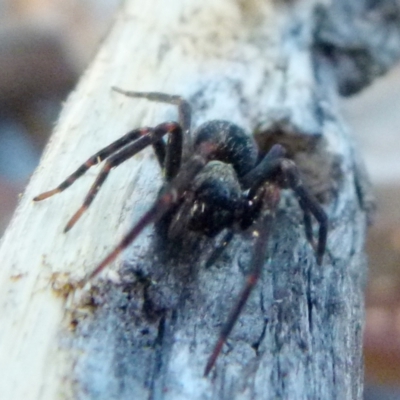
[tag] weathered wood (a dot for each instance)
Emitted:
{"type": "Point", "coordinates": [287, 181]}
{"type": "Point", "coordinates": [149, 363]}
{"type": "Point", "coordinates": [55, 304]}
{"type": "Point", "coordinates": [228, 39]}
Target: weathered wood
{"type": "Point", "coordinates": [361, 38]}
{"type": "Point", "coordinates": [147, 332]}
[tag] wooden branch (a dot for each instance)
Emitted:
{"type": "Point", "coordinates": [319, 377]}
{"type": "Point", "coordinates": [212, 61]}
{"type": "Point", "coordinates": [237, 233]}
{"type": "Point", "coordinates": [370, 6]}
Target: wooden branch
{"type": "Point", "coordinates": [361, 39]}
{"type": "Point", "coordinates": [147, 331]}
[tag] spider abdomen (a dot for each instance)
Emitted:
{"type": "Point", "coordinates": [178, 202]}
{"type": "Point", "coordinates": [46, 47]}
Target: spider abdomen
{"type": "Point", "coordinates": [233, 145]}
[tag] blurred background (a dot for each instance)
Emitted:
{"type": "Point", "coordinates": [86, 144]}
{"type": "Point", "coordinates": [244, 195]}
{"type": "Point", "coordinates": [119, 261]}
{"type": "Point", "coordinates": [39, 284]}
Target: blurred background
{"type": "Point", "coordinates": [45, 45]}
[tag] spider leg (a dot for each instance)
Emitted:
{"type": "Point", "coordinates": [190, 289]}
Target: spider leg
{"type": "Point", "coordinates": [167, 199]}
{"type": "Point", "coordinates": [184, 109]}
{"type": "Point", "coordinates": [262, 230]}
{"type": "Point", "coordinates": [94, 160]}
{"type": "Point", "coordinates": [307, 224]}
{"type": "Point", "coordinates": [173, 151]}
{"type": "Point", "coordinates": [265, 170]}
{"type": "Point", "coordinates": [151, 136]}
{"type": "Point", "coordinates": [219, 249]}
{"type": "Point", "coordinates": [309, 204]}
{"type": "Point", "coordinates": [275, 167]}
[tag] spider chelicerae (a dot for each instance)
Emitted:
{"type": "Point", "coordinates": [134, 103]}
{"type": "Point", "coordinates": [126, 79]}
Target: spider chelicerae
{"type": "Point", "coordinates": [222, 186]}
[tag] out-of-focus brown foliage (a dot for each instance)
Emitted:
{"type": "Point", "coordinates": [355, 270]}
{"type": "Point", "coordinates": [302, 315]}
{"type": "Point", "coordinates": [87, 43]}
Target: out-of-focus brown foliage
{"type": "Point", "coordinates": [44, 47]}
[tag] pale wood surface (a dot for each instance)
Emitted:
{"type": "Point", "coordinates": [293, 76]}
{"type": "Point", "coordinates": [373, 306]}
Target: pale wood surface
{"type": "Point", "coordinates": [149, 337]}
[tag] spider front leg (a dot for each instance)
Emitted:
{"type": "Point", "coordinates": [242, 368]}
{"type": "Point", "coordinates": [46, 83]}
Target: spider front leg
{"type": "Point", "coordinates": [184, 109]}
{"type": "Point", "coordinates": [152, 136]}
{"type": "Point", "coordinates": [168, 154]}
{"type": "Point", "coordinates": [94, 160]}
{"type": "Point", "coordinates": [140, 138]}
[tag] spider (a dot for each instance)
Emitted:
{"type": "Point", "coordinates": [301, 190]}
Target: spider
{"type": "Point", "coordinates": [224, 185]}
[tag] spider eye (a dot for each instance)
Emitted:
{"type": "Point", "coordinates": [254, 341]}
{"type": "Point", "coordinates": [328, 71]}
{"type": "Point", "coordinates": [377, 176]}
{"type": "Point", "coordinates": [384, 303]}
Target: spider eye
{"type": "Point", "coordinates": [217, 194]}
{"type": "Point", "coordinates": [210, 219]}
{"type": "Point", "coordinates": [213, 210]}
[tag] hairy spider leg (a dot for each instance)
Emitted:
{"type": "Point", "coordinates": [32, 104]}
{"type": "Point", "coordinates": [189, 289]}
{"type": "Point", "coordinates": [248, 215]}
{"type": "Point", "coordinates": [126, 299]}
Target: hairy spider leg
{"type": "Point", "coordinates": [184, 109]}
{"type": "Point", "coordinates": [274, 166]}
{"type": "Point", "coordinates": [94, 160]}
{"type": "Point", "coordinates": [309, 204]}
{"type": "Point", "coordinates": [271, 195]}
{"type": "Point", "coordinates": [168, 198]}
{"type": "Point", "coordinates": [170, 160]}
{"type": "Point", "coordinates": [307, 223]}
{"type": "Point", "coordinates": [149, 136]}
{"type": "Point", "coordinates": [169, 154]}
{"type": "Point", "coordinates": [266, 169]}
{"type": "Point", "coordinates": [219, 249]}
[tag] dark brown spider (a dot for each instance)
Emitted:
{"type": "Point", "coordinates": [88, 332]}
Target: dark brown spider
{"type": "Point", "coordinates": [221, 186]}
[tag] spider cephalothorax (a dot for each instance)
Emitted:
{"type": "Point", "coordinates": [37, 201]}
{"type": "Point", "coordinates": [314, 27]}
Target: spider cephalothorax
{"type": "Point", "coordinates": [222, 186]}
